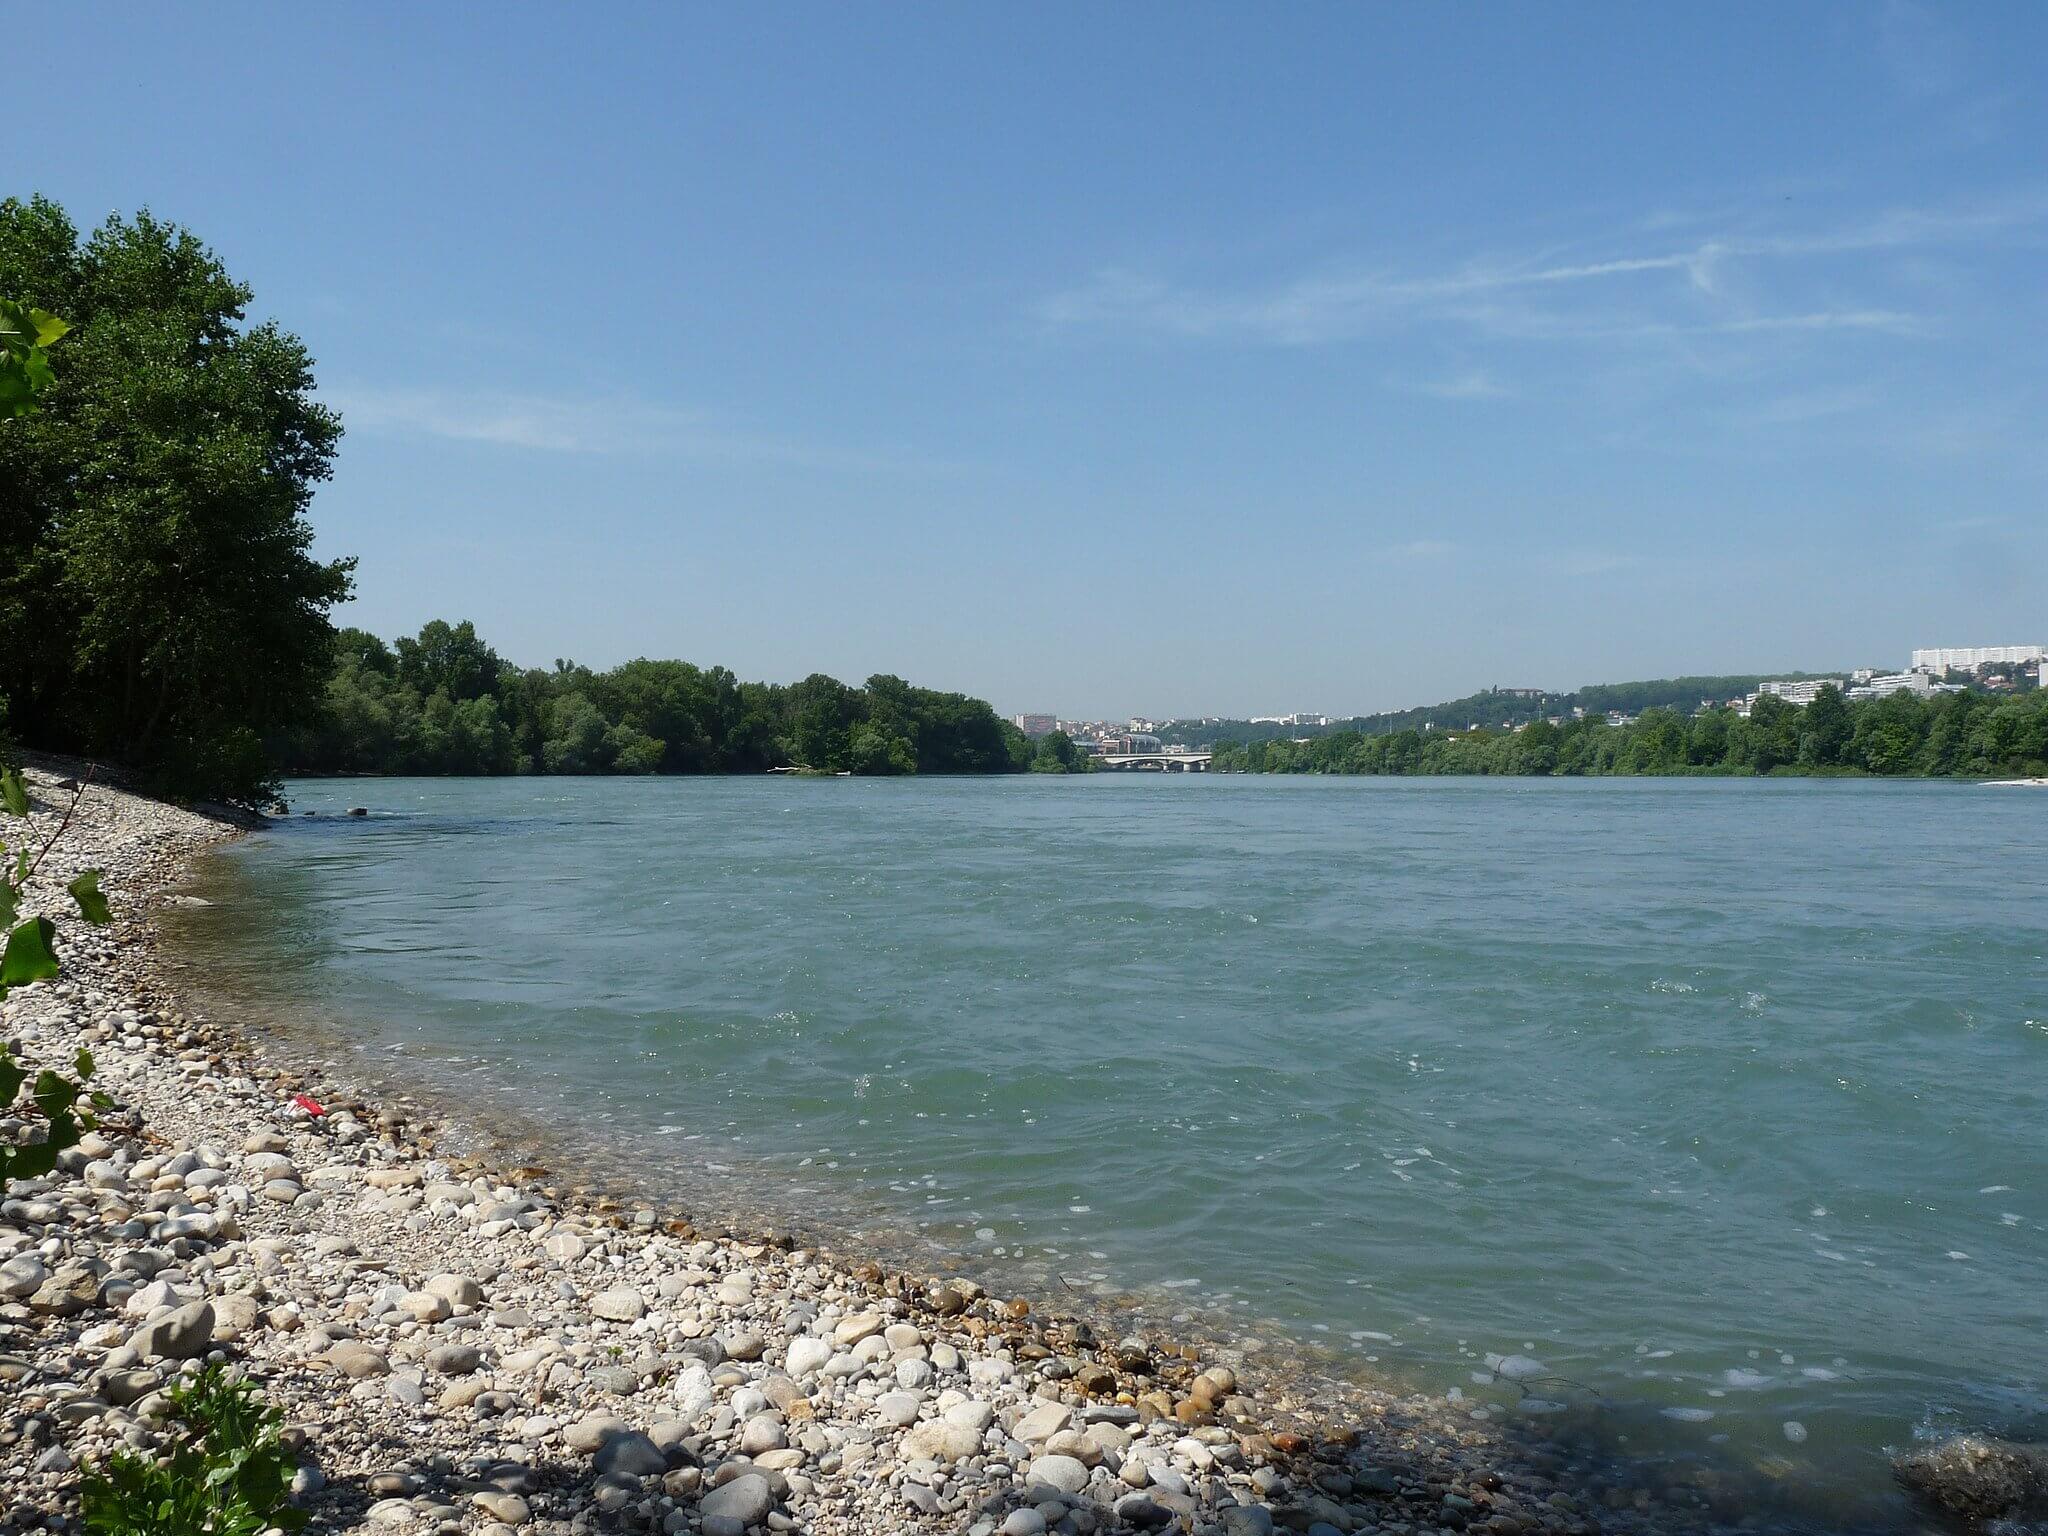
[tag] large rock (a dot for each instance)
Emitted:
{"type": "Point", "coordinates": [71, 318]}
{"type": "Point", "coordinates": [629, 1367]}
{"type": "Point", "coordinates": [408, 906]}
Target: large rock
{"type": "Point", "coordinates": [1977, 1477]}
{"type": "Point", "coordinates": [1043, 1422]}
{"type": "Point", "coordinates": [180, 1335]}
{"type": "Point", "coordinates": [1061, 1472]}
{"type": "Point", "coordinates": [622, 1305]}
{"type": "Point", "coordinates": [235, 1316]}
{"type": "Point", "coordinates": [22, 1276]}
{"type": "Point", "coordinates": [357, 1361]}
{"type": "Point", "coordinates": [66, 1293]}
{"type": "Point", "coordinates": [747, 1499]}
{"type": "Point", "coordinates": [861, 1325]}
{"type": "Point", "coordinates": [972, 1414]}
{"type": "Point", "coordinates": [588, 1434]}
{"type": "Point", "coordinates": [630, 1454]}
{"type": "Point", "coordinates": [940, 1441]}
{"type": "Point", "coordinates": [808, 1355]}
{"type": "Point", "coordinates": [453, 1359]}
{"type": "Point", "coordinates": [456, 1290]}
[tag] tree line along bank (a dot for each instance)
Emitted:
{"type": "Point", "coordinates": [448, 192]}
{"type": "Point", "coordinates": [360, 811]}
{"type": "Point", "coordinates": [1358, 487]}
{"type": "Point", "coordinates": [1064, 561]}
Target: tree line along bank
{"type": "Point", "coordinates": [444, 702]}
{"type": "Point", "coordinates": [161, 607]}
{"type": "Point", "coordinates": [1971, 734]}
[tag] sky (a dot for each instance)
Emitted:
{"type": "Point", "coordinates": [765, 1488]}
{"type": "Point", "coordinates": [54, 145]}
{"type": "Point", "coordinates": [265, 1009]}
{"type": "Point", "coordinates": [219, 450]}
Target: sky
{"type": "Point", "coordinates": [1164, 359]}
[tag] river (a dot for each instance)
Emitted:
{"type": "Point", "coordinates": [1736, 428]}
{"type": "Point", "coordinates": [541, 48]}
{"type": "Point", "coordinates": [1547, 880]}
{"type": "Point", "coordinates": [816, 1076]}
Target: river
{"type": "Point", "coordinates": [1713, 1109]}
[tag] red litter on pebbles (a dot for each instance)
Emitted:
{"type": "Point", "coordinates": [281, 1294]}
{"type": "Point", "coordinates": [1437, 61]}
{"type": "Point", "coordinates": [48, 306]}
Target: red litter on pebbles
{"type": "Point", "coordinates": [308, 1103]}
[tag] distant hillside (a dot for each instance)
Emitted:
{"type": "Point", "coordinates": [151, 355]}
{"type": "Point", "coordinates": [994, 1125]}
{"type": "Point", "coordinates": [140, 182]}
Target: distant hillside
{"type": "Point", "coordinates": [1493, 707]}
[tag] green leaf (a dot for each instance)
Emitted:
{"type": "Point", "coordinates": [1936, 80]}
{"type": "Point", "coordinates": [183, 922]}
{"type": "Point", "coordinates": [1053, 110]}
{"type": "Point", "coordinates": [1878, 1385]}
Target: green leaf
{"type": "Point", "coordinates": [13, 793]}
{"type": "Point", "coordinates": [12, 1075]}
{"type": "Point", "coordinates": [30, 955]}
{"type": "Point", "coordinates": [54, 1094]}
{"type": "Point", "coordinates": [82, 1064]}
{"type": "Point", "coordinates": [47, 326]}
{"type": "Point", "coordinates": [10, 901]}
{"type": "Point", "coordinates": [32, 1161]}
{"type": "Point", "coordinates": [92, 906]}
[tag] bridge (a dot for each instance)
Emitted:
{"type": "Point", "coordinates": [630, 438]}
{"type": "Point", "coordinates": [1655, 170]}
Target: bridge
{"type": "Point", "coordinates": [1154, 762]}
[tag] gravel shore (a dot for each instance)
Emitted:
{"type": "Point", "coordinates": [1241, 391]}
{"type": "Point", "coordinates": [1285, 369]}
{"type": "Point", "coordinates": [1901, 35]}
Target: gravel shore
{"type": "Point", "coordinates": [468, 1348]}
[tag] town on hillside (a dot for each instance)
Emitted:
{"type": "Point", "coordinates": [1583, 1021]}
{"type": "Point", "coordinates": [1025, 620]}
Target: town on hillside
{"type": "Point", "coordinates": [1185, 743]}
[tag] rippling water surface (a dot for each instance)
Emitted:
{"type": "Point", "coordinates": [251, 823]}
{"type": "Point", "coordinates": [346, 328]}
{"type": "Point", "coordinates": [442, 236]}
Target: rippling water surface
{"type": "Point", "coordinates": [1717, 1105]}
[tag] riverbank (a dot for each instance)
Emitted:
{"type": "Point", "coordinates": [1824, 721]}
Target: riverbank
{"type": "Point", "coordinates": [481, 1347]}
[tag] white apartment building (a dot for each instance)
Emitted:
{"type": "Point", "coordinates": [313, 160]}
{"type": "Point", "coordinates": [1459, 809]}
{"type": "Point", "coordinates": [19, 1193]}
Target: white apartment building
{"type": "Point", "coordinates": [1968, 658]}
{"type": "Point", "coordinates": [1804, 691]}
{"type": "Point", "coordinates": [1898, 682]}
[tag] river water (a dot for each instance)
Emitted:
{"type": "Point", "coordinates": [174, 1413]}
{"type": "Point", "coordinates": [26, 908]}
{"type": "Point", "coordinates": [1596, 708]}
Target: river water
{"type": "Point", "coordinates": [1716, 1107]}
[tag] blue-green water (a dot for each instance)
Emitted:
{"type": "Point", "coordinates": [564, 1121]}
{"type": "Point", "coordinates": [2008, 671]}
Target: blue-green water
{"type": "Point", "coordinates": [1721, 1100]}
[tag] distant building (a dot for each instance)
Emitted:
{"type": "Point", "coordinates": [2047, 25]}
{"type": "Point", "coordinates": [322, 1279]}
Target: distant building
{"type": "Point", "coordinates": [1803, 691]}
{"type": "Point", "coordinates": [1037, 725]}
{"type": "Point", "coordinates": [1520, 693]}
{"type": "Point", "coordinates": [1898, 682]}
{"type": "Point", "coordinates": [1968, 658]}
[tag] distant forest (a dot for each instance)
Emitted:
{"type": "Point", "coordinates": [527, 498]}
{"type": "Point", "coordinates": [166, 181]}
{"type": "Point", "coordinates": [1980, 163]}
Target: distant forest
{"type": "Point", "coordinates": [444, 702]}
{"type": "Point", "coordinates": [1973, 734]}
{"type": "Point", "coordinates": [1491, 707]}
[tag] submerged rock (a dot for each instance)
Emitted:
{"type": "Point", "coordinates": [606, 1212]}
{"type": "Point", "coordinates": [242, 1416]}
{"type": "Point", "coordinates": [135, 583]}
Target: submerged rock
{"type": "Point", "coordinates": [1978, 1477]}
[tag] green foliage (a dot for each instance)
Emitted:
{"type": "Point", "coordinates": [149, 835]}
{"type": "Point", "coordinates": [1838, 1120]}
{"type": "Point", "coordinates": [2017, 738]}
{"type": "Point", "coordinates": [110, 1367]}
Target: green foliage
{"type": "Point", "coordinates": [1057, 753]}
{"type": "Point", "coordinates": [152, 512]}
{"type": "Point", "coordinates": [29, 954]}
{"type": "Point", "coordinates": [227, 1473]}
{"type": "Point", "coordinates": [1491, 708]}
{"type": "Point", "coordinates": [446, 703]}
{"type": "Point", "coordinates": [1971, 734]}
{"type": "Point", "coordinates": [26, 336]}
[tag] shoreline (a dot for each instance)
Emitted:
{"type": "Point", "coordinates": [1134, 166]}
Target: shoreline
{"type": "Point", "coordinates": [583, 1331]}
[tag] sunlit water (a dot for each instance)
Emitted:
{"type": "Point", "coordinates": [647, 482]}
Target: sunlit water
{"type": "Point", "coordinates": [1720, 1102]}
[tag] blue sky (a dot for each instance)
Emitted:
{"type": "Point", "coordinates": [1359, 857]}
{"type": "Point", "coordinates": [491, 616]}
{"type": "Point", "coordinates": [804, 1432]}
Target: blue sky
{"type": "Point", "coordinates": [1137, 358]}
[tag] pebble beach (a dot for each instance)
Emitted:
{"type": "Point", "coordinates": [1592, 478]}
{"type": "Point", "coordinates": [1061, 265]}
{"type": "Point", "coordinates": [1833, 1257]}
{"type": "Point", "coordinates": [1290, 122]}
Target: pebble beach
{"type": "Point", "coordinates": [460, 1346]}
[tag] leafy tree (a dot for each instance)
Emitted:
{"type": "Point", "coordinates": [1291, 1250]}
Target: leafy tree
{"type": "Point", "coordinates": [153, 511]}
{"type": "Point", "coordinates": [1057, 753]}
{"type": "Point", "coordinates": [447, 659]}
{"type": "Point", "coordinates": [576, 737]}
{"type": "Point", "coordinates": [875, 749]}
{"type": "Point", "coordinates": [1825, 729]}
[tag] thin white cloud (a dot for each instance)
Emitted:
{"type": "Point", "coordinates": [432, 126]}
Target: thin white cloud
{"type": "Point", "coordinates": [1496, 297]}
{"type": "Point", "coordinates": [1471, 384]}
{"type": "Point", "coordinates": [1420, 549]}
{"type": "Point", "coordinates": [609, 426]}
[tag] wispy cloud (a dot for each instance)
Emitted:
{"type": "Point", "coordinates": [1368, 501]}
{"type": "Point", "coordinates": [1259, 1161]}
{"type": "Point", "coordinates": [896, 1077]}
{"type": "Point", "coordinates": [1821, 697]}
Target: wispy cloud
{"type": "Point", "coordinates": [1420, 549]}
{"type": "Point", "coordinates": [1603, 297]}
{"type": "Point", "coordinates": [618, 425]}
{"type": "Point", "coordinates": [1471, 384]}
{"type": "Point", "coordinates": [533, 422]}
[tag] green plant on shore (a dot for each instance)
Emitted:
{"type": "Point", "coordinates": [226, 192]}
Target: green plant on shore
{"type": "Point", "coordinates": [228, 1472]}
{"type": "Point", "coordinates": [64, 1103]}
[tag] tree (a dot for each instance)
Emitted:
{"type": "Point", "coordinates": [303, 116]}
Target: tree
{"type": "Point", "coordinates": [154, 511]}
{"type": "Point", "coordinates": [448, 658]}
{"type": "Point", "coordinates": [1825, 729]}
{"type": "Point", "coordinates": [1058, 754]}
{"type": "Point", "coordinates": [876, 750]}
